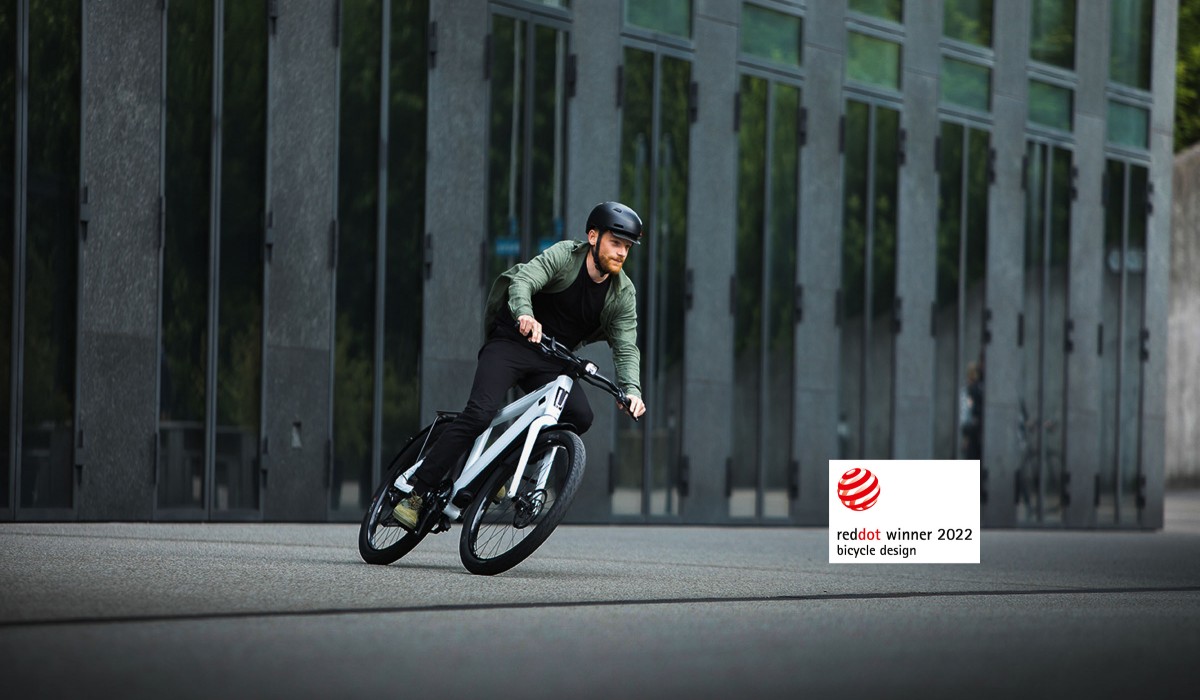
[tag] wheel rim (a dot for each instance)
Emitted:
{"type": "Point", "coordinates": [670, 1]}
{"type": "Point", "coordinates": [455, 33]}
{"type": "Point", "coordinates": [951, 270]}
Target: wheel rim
{"type": "Point", "coordinates": [384, 531]}
{"type": "Point", "coordinates": [500, 527]}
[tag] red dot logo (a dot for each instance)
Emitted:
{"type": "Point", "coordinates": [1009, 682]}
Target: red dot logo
{"type": "Point", "coordinates": [858, 489]}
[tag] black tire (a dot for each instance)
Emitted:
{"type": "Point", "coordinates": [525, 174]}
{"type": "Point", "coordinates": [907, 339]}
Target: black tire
{"type": "Point", "coordinates": [381, 540]}
{"type": "Point", "coordinates": [496, 536]}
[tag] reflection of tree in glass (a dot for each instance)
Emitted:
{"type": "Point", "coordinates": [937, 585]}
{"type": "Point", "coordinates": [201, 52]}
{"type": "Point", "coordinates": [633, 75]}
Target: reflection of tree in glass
{"type": "Point", "coordinates": [186, 249]}
{"type": "Point", "coordinates": [669, 16]}
{"type": "Point", "coordinates": [505, 141]}
{"type": "Point", "coordinates": [887, 9]}
{"type": "Point", "coordinates": [969, 21]}
{"type": "Point", "coordinates": [1052, 32]}
{"type": "Point", "coordinates": [243, 184]}
{"type": "Point", "coordinates": [406, 223]}
{"type": "Point", "coordinates": [358, 197]}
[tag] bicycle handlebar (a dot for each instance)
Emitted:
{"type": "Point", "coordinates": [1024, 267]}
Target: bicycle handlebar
{"type": "Point", "coordinates": [586, 370]}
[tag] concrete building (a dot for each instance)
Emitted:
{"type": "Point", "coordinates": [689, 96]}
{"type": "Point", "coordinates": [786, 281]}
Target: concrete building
{"type": "Point", "coordinates": [251, 241]}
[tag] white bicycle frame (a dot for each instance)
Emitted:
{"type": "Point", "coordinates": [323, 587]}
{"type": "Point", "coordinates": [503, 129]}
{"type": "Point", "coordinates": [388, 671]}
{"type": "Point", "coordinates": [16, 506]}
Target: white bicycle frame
{"type": "Point", "coordinates": [533, 412]}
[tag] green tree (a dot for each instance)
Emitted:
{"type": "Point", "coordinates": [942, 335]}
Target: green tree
{"type": "Point", "coordinates": [1187, 76]}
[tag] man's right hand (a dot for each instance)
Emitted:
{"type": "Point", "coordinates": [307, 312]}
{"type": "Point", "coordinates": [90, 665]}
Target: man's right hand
{"type": "Point", "coordinates": [530, 327]}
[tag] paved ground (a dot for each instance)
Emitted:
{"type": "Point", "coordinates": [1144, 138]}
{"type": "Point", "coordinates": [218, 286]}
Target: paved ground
{"type": "Point", "coordinates": [188, 610]}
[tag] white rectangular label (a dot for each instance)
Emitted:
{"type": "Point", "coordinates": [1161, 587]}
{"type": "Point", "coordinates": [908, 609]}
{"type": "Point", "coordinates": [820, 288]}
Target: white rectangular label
{"type": "Point", "coordinates": [904, 511]}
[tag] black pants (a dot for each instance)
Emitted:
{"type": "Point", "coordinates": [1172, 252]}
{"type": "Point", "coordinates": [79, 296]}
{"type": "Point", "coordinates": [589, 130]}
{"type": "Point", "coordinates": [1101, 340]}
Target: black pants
{"type": "Point", "coordinates": [503, 363]}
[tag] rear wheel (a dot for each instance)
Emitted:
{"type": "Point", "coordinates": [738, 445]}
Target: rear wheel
{"type": "Point", "coordinates": [500, 531]}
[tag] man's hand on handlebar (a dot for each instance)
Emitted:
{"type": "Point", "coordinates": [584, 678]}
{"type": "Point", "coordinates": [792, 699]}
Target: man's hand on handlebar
{"type": "Point", "coordinates": [636, 406]}
{"type": "Point", "coordinates": [530, 327]}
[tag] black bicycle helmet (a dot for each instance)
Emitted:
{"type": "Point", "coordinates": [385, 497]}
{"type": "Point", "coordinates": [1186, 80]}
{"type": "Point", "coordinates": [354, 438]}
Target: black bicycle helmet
{"type": "Point", "coordinates": [617, 218]}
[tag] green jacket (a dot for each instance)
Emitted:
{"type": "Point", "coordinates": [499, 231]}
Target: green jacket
{"type": "Point", "coordinates": [552, 272]}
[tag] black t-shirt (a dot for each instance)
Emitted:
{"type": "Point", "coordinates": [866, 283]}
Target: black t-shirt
{"type": "Point", "coordinates": [572, 315]}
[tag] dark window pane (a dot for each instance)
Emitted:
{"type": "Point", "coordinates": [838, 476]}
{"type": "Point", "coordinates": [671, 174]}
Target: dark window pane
{"type": "Point", "coordinates": [880, 334]}
{"type": "Point", "coordinates": [358, 216]}
{"type": "Point", "coordinates": [506, 150]}
{"type": "Point", "coordinates": [637, 173]}
{"type": "Point", "coordinates": [666, 16]}
{"type": "Point", "coordinates": [853, 306]}
{"type": "Point", "coordinates": [548, 151]}
{"type": "Point", "coordinates": [974, 274]}
{"type": "Point", "coordinates": [51, 255]}
{"type": "Point", "coordinates": [1052, 32]}
{"type": "Point", "coordinates": [1128, 125]}
{"type": "Point", "coordinates": [969, 21]}
{"type": "Point", "coordinates": [406, 224]}
{"type": "Point", "coordinates": [873, 61]}
{"type": "Point", "coordinates": [772, 35]}
{"type": "Point", "coordinates": [1113, 273]}
{"type": "Point", "coordinates": [8, 106]}
{"type": "Point", "coordinates": [947, 361]}
{"type": "Point", "coordinates": [966, 84]}
{"type": "Point", "coordinates": [1132, 29]}
{"type": "Point", "coordinates": [747, 327]}
{"type": "Point", "coordinates": [240, 298]}
{"type": "Point", "coordinates": [1042, 404]}
{"type": "Point", "coordinates": [186, 255]}
{"type": "Point", "coordinates": [783, 221]}
{"type": "Point", "coordinates": [669, 251]}
{"type": "Point", "coordinates": [887, 9]}
{"type": "Point", "coordinates": [1050, 105]}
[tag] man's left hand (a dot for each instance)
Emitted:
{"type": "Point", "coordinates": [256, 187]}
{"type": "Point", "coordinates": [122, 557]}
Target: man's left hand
{"type": "Point", "coordinates": [636, 406]}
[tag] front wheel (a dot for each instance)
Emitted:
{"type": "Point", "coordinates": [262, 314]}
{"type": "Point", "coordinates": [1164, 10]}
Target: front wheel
{"type": "Point", "coordinates": [501, 529]}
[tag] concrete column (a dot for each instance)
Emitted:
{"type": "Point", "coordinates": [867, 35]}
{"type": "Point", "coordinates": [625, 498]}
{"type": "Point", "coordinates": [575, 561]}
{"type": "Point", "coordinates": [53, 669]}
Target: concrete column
{"type": "Point", "coordinates": [1084, 365]}
{"type": "Point", "coordinates": [815, 437]}
{"type": "Point", "coordinates": [1006, 259]}
{"type": "Point", "coordinates": [712, 222]}
{"type": "Point", "coordinates": [916, 264]}
{"type": "Point", "coordinates": [455, 205]}
{"type": "Point", "coordinates": [303, 133]}
{"type": "Point", "coordinates": [1158, 258]}
{"type": "Point", "coordinates": [119, 275]}
{"type": "Point", "coordinates": [593, 176]}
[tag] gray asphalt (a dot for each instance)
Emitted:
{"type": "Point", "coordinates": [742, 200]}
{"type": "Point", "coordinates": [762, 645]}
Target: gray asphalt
{"type": "Point", "coordinates": [136, 610]}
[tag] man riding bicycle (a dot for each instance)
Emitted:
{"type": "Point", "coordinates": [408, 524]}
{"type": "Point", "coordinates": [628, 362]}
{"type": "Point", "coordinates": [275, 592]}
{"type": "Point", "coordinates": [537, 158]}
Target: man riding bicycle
{"type": "Point", "coordinates": [575, 292]}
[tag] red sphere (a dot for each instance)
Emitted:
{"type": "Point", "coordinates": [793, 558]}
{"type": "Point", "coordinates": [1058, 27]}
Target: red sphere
{"type": "Point", "coordinates": [858, 489]}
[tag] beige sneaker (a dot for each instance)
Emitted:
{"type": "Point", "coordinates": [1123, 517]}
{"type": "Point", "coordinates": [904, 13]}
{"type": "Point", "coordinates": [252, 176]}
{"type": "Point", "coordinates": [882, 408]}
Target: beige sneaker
{"type": "Point", "coordinates": [408, 511]}
{"type": "Point", "coordinates": [499, 495]}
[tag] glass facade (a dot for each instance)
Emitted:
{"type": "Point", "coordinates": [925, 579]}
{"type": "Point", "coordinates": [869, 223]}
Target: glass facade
{"type": "Point", "coordinates": [1128, 125]}
{"type": "Point", "coordinates": [240, 243]}
{"type": "Point", "coordinates": [1043, 334]}
{"type": "Point", "coordinates": [764, 312]}
{"type": "Point", "coordinates": [966, 84]}
{"type": "Point", "coordinates": [504, 89]}
{"type": "Point", "coordinates": [1052, 32]}
{"type": "Point", "coordinates": [1132, 27]}
{"type": "Point", "coordinates": [213, 262]}
{"type": "Point", "coordinates": [969, 21]}
{"type": "Point", "coordinates": [655, 139]}
{"type": "Point", "coordinates": [1120, 498]}
{"type": "Point", "coordinates": [772, 35]}
{"type": "Point", "coordinates": [527, 152]}
{"type": "Point", "coordinates": [380, 279]}
{"type": "Point", "coordinates": [183, 386]}
{"type": "Point", "coordinates": [51, 254]}
{"type": "Point", "coordinates": [868, 302]}
{"type": "Point", "coordinates": [673, 17]}
{"type": "Point", "coordinates": [891, 10]}
{"type": "Point", "coordinates": [8, 238]}
{"type": "Point", "coordinates": [1051, 105]}
{"type": "Point", "coordinates": [960, 302]}
{"type": "Point", "coordinates": [872, 61]}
